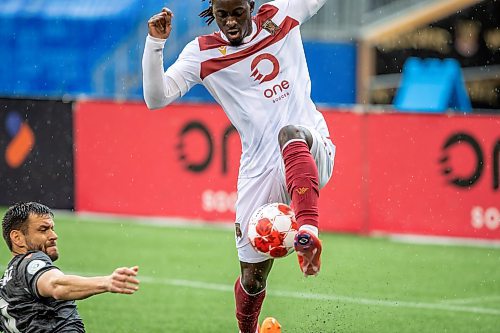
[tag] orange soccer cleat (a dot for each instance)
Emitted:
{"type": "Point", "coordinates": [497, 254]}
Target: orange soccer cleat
{"type": "Point", "coordinates": [308, 248]}
{"type": "Point", "coordinates": [270, 325]}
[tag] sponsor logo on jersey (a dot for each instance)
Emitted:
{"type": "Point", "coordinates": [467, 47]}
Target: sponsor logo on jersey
{"type": "Point", "coordinates": [7, 276]}
{"type": "Point", "coordinates": [35, 266]}
{"type": "Point", "coordinates": [268, 75]}
{"type": "Point", "coordinates": [266, 67]}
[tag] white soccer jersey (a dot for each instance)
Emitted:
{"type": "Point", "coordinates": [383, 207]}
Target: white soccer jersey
{"type": "Point", "coordinates": [262, 84]}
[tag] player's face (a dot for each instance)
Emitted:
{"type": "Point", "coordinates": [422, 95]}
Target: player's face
{"type": "Point", "coordinates": [234, 18]}
{"type": "Point", "coordinates": [41, 236]}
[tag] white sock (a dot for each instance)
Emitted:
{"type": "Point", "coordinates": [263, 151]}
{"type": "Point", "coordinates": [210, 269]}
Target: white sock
{"type": "Point", "coordinates": [310, 228]}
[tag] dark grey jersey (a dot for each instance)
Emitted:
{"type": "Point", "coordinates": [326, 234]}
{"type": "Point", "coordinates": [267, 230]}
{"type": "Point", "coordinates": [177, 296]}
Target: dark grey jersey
{"type": "Point", "coordinates": [22, 310]}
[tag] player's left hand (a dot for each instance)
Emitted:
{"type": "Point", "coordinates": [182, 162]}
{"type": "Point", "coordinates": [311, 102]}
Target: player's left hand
{"type": "Point", "coordinates": [123, 280]}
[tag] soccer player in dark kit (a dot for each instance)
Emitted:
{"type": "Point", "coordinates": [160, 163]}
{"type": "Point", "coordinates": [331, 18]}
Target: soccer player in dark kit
{"type": "Point", "coordinates": [35, 296]}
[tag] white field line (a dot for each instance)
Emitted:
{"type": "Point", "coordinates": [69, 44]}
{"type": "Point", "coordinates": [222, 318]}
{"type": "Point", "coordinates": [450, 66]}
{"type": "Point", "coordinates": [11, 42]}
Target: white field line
{"type": "Point", "coordinates": [440, 240]}
{"type": "Point", "coordinates": [196, 223]}
{"type": "Point", "coordinates": [471, 300]}
{"type": "Point", "coordinates": [150, 221]}
{"type": "Point", "coordinates": [324, 297]}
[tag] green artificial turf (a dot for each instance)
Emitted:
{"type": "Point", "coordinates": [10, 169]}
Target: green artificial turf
{"type": "Point", "coordinates": [366, 284]}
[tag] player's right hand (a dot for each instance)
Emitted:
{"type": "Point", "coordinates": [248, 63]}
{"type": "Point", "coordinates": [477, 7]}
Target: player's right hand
{"type": "Point", "coordinates": [160, 25]}
{"type": "Point", "coordinates": [123, 280]}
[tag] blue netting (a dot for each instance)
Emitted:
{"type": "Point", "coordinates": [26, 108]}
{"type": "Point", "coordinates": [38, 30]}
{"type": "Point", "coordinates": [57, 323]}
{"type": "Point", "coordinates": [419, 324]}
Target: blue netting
{"type": "Point", "coordinates": [59, 47]}
{"type": "Point", "coordinates": [56, 48]}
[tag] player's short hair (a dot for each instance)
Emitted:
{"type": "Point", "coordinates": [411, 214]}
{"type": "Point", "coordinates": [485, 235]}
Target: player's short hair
{"type": "Point", "coordinates": [17, 215]}
{"type": "Point", "coordinates": [208, 14]}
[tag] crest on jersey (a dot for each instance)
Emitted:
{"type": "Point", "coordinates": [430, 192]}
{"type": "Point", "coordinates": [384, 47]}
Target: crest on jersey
{"type": "Point", "coordinates": [35, 266]}
{"type": "Point", "coordinates": [271, 27]}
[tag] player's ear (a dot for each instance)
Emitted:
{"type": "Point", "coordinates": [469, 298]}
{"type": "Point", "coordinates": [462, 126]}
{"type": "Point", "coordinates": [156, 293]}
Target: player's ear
{"type": "Point", "coordinates": [17, 238]}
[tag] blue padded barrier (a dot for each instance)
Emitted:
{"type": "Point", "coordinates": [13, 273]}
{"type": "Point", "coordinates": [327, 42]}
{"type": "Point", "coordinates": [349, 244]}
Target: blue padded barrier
{"type": "Point", "coordinates": [432, 85]}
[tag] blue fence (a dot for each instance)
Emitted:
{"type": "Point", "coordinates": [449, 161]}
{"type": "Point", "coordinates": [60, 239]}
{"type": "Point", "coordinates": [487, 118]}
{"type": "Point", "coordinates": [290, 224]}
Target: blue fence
{"type": "Point", "coordinates": [93, 48]}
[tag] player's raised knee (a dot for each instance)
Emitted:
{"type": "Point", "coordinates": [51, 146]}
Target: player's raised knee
{"type": "Point", "coordinates": [288, 133]}
{"type": "Point", "coordinates": [252, 284]}
{"type": "Point", "coordinates": [291, 132]}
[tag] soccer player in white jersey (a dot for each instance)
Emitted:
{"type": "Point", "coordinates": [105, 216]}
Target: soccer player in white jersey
{"type": "Point", "coordinates": [255, 68]}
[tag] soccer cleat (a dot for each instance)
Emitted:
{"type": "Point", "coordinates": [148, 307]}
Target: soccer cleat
{"type": "Point", "coordinates": [270, 325]}
{"type": "Point", "coordinates": [308, 248]}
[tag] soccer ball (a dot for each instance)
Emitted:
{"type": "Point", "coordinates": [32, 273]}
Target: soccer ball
{"type": "Point", "coordinates": [272, 230]}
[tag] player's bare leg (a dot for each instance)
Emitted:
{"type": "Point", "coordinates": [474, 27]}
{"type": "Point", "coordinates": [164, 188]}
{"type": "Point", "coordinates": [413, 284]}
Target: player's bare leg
{"type": "Point", "coordinates": [249, 292]}
{"type": "Point", "coordinates": [303, 186]}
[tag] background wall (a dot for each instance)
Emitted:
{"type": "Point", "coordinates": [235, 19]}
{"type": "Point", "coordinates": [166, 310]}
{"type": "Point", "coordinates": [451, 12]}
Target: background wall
{"type": "Point", "coordinates": [441, 178]}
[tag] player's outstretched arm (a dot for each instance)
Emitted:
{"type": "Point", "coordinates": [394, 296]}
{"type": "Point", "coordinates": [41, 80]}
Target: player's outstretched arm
{"type": "Point", "coordinates": [159, 90]}
{"type": "Point", "coordinates": [56, 284]}
{"type": "Point", "coordinates": [303, 10]}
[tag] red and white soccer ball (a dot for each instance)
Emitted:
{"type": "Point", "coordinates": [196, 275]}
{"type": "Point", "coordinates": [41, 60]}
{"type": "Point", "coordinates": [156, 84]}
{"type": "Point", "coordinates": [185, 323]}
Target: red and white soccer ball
{"type": "Point", "coordinates": [272, 230]}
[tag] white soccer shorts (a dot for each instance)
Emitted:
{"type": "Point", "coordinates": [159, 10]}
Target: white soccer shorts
{"type": "Point", "coordinates": [271, 187]}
